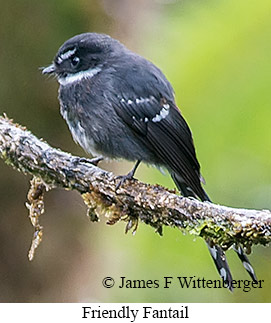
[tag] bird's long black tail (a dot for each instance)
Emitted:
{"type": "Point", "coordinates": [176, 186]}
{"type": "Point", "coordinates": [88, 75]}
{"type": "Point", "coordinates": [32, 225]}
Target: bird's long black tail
{"type": "Point", "coordinates": [216, 252]}
{"type": "Point", "coordinates": [221, 263]}
{"type": "Point", "coordinates": [244, 259]}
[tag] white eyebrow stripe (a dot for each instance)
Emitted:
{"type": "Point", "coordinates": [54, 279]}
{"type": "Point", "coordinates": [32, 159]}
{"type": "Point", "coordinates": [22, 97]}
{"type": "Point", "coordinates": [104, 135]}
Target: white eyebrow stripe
{"type": "Point", "coordinates": [76, 77]}
{"type": "Point", "coordinates": [67, 54]}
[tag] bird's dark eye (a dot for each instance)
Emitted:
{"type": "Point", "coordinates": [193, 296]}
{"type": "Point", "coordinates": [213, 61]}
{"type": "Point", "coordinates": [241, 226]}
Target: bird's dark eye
{"type": "Point", "coordinates": [75, 61]}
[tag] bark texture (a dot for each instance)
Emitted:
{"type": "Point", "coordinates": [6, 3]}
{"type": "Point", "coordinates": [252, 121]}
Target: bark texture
{"type": "Point", "coordinates": [134, 201]}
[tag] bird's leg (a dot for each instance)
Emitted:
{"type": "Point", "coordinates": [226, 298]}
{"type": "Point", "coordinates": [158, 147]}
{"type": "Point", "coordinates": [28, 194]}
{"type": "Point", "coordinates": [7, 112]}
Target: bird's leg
{"type": "Point", "coordinates": [130, 175]}
{"type": "Point", "coordinates": [132, 221]}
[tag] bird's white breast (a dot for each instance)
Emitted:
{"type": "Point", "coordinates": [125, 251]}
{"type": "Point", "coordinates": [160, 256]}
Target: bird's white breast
{"type": "Point", "coordinates": [80, 136]}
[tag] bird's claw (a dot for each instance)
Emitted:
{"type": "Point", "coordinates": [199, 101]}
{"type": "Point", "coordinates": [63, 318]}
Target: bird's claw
{"type": "Point", "coordinates": [123, 179]}
{"type": "Point", "coordinates": [94, 161]}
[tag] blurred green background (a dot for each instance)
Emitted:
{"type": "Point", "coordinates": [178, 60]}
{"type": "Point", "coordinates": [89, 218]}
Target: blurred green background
{"type": "Point", "coordinates": [217, 56]}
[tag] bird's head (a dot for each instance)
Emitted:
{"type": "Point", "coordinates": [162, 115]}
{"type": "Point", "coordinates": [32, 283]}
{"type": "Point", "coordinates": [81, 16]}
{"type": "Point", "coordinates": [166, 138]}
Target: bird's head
{"type": "Point", "coordinates": [82, 56]}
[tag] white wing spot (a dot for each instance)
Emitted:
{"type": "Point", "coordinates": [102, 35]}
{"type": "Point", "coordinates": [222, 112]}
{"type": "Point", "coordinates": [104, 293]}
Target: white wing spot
{"type": "Point", "coordinates": [158, 117]}
{"type": "Point", "coordinates": [162, 114]}
{"type": "Point", "coordinates": [141, 100]}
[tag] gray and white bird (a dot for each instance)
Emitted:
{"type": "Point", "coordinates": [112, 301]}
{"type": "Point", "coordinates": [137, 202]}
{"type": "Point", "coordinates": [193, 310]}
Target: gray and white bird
{"type": "Point", "coordinates": [119, 105]}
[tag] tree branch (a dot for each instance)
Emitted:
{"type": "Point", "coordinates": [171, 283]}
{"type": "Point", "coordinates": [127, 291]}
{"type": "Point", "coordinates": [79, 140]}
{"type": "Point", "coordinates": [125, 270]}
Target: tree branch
{"type": "Point", "coordinates": [151, 204]}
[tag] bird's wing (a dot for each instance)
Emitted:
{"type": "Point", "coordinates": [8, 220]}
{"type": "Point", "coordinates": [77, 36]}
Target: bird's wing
{"type": "Point", "coordinates": [146, 104]}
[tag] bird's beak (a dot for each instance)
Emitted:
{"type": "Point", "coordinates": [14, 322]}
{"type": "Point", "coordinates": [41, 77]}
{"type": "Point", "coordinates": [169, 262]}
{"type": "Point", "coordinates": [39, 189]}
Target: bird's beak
{"type": "Point", "coordinates": [49, 69]}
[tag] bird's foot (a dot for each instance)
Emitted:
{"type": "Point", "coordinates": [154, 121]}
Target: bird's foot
{"type": "Point", "coordinates": [124, 178]}
{"type": "Point", "coordinates": [94, 161]}
{"type": "Point", "coordinates": [129, 176]}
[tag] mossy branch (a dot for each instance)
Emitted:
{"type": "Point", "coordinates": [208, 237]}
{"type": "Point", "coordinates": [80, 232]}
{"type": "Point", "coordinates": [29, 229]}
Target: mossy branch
{"type": "Point", "coordinates": [151, 204]}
